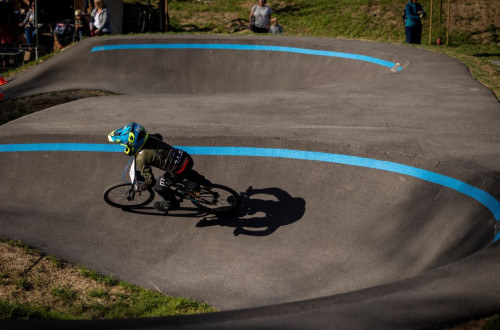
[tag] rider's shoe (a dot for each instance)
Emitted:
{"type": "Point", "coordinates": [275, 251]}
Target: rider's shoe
{"type": "Point", "coordinates": [166, 206]}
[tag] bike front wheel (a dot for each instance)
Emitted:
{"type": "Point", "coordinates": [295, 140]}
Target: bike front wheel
{"type": "Point", "coordinates": [122, 195]}
{"type": "Point", "coordinates": [217, 199]}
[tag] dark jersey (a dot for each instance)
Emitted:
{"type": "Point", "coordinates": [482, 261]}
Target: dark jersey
{"type": "Point", "coordinates": [156, 153]}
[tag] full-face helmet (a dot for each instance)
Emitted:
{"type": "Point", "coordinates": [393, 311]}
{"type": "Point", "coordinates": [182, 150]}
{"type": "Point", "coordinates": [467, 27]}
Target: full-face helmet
{"type": "Point", "coordinates": [132, 136]}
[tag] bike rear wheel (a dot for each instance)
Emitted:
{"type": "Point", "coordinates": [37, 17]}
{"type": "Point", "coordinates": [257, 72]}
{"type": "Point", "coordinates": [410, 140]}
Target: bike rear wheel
{"type": "Point", "coordinates": [217, 199]}
{"type": "Point", "coordinates": [122, 195]}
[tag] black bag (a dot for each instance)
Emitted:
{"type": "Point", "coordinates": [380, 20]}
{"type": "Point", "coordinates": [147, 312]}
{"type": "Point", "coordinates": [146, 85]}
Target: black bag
{"type": "Point", "coordinates": [252, 23]}
{"type": "Point", "coordinates": [252, 20]}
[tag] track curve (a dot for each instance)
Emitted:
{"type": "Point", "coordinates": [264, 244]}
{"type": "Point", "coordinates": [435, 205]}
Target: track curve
{"type": "Point", "coordinates": [317, 244]}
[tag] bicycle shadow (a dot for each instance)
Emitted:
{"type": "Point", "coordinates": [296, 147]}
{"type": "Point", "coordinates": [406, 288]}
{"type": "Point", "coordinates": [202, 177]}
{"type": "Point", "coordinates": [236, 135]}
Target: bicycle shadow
{"type": "Point", "coordinates": [183, 212]}
{"type": "Point", "coordinates": [259, 216]}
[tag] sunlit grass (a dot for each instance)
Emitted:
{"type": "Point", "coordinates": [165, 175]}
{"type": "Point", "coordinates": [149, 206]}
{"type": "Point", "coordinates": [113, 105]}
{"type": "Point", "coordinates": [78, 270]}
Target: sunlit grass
{"type": "Point", "coordinates": [33, 294]}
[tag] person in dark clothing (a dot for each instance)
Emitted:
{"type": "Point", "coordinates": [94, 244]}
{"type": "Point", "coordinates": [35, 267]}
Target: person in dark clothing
{"type": "Point", "coordinates": [29, 25]}
{"type": "Point", "coordinates": [150, 151]}
{"type": "Point", "coordinates": [86, 6]}
{"type": "Point", "coordinates": [413, 25]}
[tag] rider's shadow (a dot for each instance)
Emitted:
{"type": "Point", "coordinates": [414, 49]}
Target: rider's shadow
{"type": "Point", "coordinates": [262, 212]}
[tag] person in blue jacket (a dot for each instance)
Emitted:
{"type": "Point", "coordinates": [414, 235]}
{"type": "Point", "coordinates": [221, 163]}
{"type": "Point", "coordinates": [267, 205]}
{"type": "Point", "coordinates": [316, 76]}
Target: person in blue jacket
{"type": "Point", "coordinates": [413, 25]}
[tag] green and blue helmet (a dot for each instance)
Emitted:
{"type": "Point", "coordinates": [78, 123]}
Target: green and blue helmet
{"type": "Point", "coordinates": [132, 136]}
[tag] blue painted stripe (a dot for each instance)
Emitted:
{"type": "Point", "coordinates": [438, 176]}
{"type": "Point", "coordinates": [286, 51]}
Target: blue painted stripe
{"type": "Point", "coordinates": [296, 50]}
{"type": "Point", "coordinates": [480, 195]}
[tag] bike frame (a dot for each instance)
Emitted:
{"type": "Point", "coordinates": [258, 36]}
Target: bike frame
{"type": "Point", "coordinates": [133, 181]}
{"type": "Point", "coordinates": [131, 166]}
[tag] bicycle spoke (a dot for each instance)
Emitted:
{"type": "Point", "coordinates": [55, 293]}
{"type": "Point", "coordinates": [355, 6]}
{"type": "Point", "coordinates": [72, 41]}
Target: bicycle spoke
{"type": "Point", "coordinates": [121, 195]}
{"type": "Point", "coordinates": [217, 199]}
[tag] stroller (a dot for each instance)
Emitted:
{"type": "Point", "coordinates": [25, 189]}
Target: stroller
{"type": "Point", "coordinates": [65, 33]}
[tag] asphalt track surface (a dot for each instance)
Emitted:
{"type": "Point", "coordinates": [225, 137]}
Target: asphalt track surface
{"type": "Point", "coordinates": [370, 195]}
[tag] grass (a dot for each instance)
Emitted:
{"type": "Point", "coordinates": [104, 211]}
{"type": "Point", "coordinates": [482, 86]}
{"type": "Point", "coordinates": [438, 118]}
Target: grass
{"type": "Point", "coordinates": [36, 286]}
{"type": "Point", "coordinates": [80, 293]}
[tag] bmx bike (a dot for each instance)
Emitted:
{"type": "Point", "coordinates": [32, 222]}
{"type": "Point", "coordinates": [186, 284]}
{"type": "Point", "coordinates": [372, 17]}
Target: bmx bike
{"type": "Point", "coordinates": [213, 198]}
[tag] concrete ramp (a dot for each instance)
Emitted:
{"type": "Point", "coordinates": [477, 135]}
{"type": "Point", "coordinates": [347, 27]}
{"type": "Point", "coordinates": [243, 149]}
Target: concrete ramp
{"type": "Point", "coordinates": [368, 200]}
{"type": "Point", "coordinates": [148, 65]}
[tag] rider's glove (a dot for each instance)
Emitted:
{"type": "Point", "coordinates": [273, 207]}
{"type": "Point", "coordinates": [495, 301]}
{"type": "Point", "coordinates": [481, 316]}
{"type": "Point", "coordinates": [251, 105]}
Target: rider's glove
{"type": "Point", "coordinates": [142, 186]}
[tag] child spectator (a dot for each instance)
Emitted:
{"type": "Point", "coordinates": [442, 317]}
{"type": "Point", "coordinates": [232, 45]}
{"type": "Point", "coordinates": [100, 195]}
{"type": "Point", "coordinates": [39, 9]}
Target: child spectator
{"type": "Point", "coordinates": [275, 27]}
{"type": "Point", "coordinates": [79, 25]}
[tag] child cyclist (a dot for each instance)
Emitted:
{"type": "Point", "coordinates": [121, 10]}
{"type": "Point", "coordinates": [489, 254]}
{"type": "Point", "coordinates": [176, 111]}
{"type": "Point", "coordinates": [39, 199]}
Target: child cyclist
{"type": "Point", "coordinates": [150, 151]}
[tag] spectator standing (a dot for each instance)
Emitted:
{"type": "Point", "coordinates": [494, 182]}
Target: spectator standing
{"type": "Point", "coordinates": [79, 25]}
{"type": "Point", "coordinates": [86, 6]}
{"type": "Point", "coordinates": [29, 25]}
{"type": "Point", "coordinates": [413, 25]}
{"type": "Point", "coordinates": [275, 28]}
{"type": "Point", "coordinates": [260, 17]}
{"type": "Point", "coordinates": [100, 22]}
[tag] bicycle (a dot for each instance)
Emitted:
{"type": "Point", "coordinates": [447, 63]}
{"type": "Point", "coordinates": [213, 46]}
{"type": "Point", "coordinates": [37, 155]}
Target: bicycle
{"type": "Point", "coordinates": [213, 198]}
{"type": "Point", "coordinates": [150, 19]}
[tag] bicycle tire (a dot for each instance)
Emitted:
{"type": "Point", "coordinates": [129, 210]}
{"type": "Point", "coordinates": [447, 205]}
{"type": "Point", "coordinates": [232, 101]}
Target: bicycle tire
{"type": "Point", "coordinates": [217, 198]}
{"type": "Point", "coordinates": [117, 195]}
{"type": "Point", "coordinates": [141, 22]}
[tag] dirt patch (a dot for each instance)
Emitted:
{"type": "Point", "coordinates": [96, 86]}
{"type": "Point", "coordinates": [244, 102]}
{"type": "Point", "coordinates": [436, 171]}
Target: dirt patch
{"type": "Point", "coordinates": [11, 109]}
